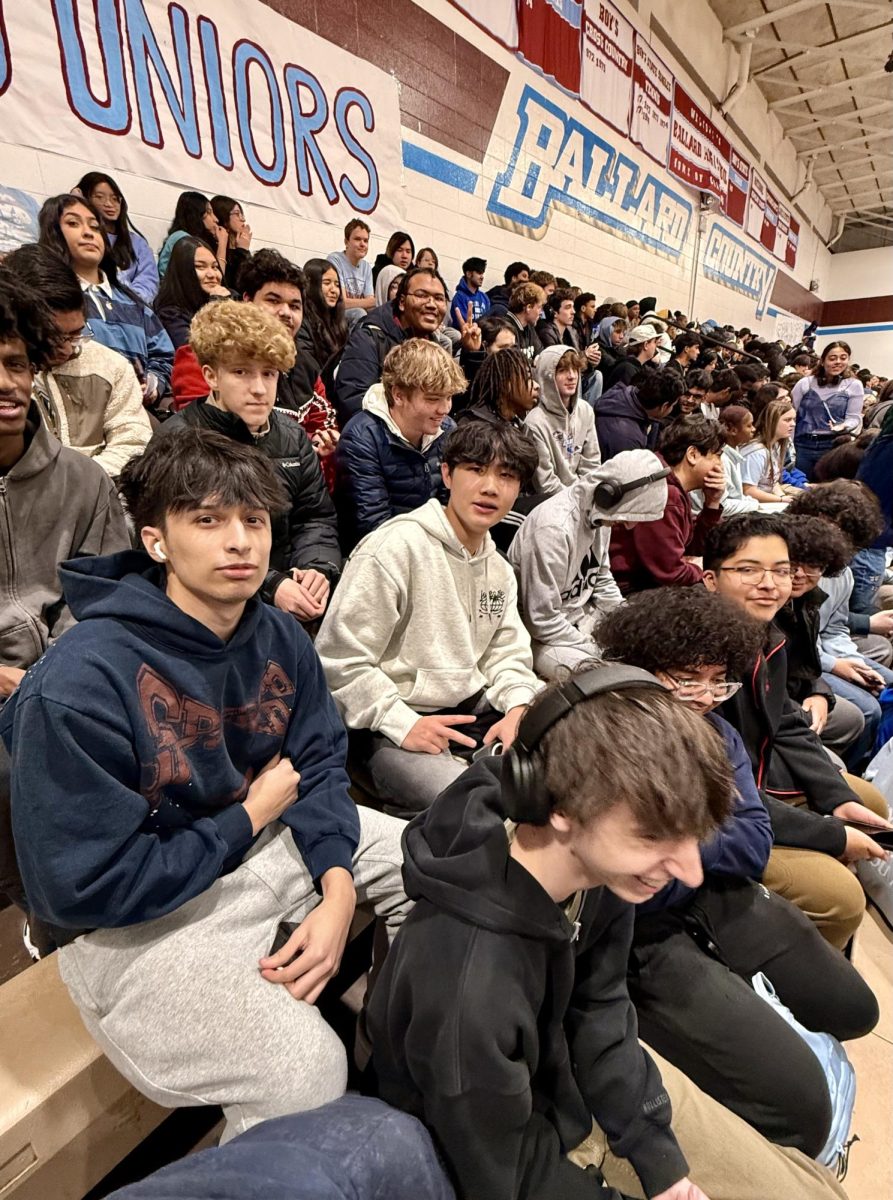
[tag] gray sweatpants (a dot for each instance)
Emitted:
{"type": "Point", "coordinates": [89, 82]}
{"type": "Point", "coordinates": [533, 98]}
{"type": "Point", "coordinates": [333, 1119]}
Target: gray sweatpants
{"type": "Point", "coordinates": [178, 1003]}
{"type": "Point", "coordinates": [409, 781]}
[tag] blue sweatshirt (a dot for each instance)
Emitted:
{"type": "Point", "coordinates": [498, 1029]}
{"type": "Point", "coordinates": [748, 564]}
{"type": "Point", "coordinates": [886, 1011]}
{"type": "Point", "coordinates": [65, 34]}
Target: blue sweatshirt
{"type": "Point", "coordinates": [135, 738]}
{"type": "Point", "coordinates": [142, 274]}
{"type": "Point", "coordinates": [741, 846]}
{"type": "Point", "coordinates": [479, 301]}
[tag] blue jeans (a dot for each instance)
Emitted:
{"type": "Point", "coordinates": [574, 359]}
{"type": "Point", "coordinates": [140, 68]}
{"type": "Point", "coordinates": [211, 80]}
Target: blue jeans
{"type": "Point", "coordinates": [868, 574]}
{"type": "Point", "coordinates": [862, 749]}
{"type": "Point", "coordinates": [352, 1146]}
{"type": "Point", "coordinates": [809, 451]}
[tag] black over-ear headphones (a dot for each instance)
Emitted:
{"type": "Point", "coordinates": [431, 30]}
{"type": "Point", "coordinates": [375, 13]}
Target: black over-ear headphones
{"type": "Point", "coordinates": [610, 492]}
{"type": "Point", "coordinates": [524, 795]}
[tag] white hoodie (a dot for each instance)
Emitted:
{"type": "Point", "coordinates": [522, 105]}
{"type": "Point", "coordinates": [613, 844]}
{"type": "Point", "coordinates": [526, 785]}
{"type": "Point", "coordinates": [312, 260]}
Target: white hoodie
{"type": "Point", "coordinates": [565, 437]}
{"type": "Point", "coordinates": [560, 553]}
{"type": "Point", "coordinates": [419, 624]}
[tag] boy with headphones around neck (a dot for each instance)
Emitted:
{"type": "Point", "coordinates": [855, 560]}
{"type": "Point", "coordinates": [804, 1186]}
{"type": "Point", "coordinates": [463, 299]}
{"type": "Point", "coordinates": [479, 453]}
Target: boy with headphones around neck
{"type": "Point", "coordinates": [560, 555]}
{"type": "Point", "coordinates": [501, 1016]}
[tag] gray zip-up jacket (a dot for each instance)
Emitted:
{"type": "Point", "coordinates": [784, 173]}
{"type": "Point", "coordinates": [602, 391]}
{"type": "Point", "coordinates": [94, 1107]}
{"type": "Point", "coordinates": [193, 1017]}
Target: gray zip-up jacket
{"type": "Point", "coordinates": [55, 504]}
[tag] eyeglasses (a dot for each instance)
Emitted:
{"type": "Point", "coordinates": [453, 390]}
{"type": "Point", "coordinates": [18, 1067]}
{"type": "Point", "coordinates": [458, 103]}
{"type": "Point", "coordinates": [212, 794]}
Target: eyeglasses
{"type": "Point", "coordinates": [758, 574]}
{"type": "Point", "coordinates": [694, 689]}
{"type": "Point", "coordinates": [437, 297]}
{"type": "Point", "coordinates": [78, 339]}
{"type": "Point", "coordinates": [803, 569]}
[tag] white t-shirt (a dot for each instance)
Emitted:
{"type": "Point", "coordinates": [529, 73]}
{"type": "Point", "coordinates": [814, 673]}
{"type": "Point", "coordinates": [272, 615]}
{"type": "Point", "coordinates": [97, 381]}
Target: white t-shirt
{"type": "Point", "coordinates": [356, 281]}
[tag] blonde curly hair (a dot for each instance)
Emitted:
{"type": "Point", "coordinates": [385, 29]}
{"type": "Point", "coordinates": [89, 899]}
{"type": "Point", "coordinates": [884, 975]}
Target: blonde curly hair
{"type": "Point", "coordinates": [225, 330]}
{"type": "Point", "coordinates": [419, 363]}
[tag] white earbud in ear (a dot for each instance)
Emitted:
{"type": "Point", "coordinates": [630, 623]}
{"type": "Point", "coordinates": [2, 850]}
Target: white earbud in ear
{"type": "Point", "coordinates": [159, 553]}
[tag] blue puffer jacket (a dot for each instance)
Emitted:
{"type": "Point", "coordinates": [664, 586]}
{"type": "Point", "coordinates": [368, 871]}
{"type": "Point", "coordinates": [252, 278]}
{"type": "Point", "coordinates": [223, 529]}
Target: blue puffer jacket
{"type": "Point", "coordinates": [380, 475]}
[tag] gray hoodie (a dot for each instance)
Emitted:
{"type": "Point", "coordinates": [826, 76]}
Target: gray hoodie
{"type": "Point", "coordinates": [565, 437]}
{"type": "Point", "coordinates": [560, 553]}
{"type": "Point", "coordinates": [419, 624]}
{"type": "Point", "coordinates": [55, 504]}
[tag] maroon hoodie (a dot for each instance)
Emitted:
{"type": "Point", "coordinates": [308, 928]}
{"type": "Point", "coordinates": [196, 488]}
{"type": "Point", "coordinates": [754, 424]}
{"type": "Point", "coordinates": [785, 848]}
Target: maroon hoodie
{"type": "Point", "coordinates": [652, 554]}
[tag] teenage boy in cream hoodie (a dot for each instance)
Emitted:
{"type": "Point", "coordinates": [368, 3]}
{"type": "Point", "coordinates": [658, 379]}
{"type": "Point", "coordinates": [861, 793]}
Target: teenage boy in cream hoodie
{"type": "Point", "coordinates": [422, 644]}
{"type": "Point", "coordinates": [560, 555]}
{"type": "Point", "coordinates": [562, 423]}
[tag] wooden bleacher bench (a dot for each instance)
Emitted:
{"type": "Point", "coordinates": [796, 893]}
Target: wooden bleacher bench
{"type": "Point", "coordinates": [66, 1115]}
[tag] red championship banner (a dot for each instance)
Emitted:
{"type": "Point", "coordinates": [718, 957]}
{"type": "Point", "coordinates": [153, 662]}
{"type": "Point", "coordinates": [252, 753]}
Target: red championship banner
{"type": "Point", "coordinates": [739, 185]}
{"type": "Point", "coordinates": [699, 153]}
{"type": "Point", "coordinates": [652, 107]}
{"type": "Point", "coordinates": [549, 38]}
{"type": "Point", "coordinates": [790, 256]}
{"type": "Point", "coordinates": [606, 73]}
{"type": "Point", "coordinates": [770, 222]}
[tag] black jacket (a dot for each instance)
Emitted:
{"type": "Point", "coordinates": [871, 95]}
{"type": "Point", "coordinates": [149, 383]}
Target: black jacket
{"type": "Point", "coordinates": [799, 622]}
{"type": "Point", "coordinates": [307, 535]}
{"type": "Point", "coordinates": [526, 337]}
{"type": "Point", "coordinates": [788, 759]}
{"type": "Point", "coordinates": [499, 297]}
{"type": "Point", "coordinates": [363, 358]}
{"type": "Point", "coordinates": [627, 370]}
{"type": "Point", "coordinates": [504, 1027]}
{"type": "Point", "coordinates": [297, 386]}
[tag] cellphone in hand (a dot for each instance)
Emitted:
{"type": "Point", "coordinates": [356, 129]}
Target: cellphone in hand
{"type": "Point", "coordinates": [883, 837]}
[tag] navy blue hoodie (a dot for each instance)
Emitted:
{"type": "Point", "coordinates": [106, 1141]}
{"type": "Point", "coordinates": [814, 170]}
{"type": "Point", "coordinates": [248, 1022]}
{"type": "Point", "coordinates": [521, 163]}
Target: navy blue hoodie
{"type": "Point", "coordinates": [135, 739]}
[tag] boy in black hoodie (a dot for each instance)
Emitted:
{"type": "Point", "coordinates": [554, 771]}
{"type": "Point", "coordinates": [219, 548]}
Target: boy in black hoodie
{"type": "Point", "coordinates": [179, 793]}
{"type": "Point", "coordinates": [501, 1017]}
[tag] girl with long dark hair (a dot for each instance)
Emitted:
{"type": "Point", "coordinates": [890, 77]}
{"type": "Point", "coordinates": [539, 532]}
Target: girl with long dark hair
{"type": "Point", "coordinates": [231, 217]}
{"type": "Point", "coordinates": [118, 318]}
{"type": "Point", "coordinates": [194, 217]}
{"type": "Point", "coordinates": [192, 279]}
{"type": "Point", "coordinates": [324, 328]}
{"type": "Point", "coordinates": [131, 252]}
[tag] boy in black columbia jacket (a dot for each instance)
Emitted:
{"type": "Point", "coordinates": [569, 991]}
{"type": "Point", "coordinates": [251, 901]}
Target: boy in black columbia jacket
{"type": "Point", "coordinates": [242, 350]}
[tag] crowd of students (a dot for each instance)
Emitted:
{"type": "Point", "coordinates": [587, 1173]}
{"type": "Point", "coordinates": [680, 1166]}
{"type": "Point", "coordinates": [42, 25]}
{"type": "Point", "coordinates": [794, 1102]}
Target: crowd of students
{"type": "Point", "coordinates": [551, 576]}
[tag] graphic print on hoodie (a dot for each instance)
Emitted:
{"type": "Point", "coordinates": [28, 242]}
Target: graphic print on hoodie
{"type": "Point", "coordinates": [505, 1028]}
{"type": "Point", "coordinates": [565, 437]}
{"type": "Point", "coordinates": [137, 734]}
{"type": "Point", "coordinates": [418, 624]}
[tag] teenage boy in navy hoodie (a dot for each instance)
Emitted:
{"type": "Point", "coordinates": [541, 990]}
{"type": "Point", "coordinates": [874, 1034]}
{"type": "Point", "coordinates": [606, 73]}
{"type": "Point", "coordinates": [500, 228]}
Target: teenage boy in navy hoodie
{"type": "Point", "coordinates": [179, 792]}
{"type": "Point", "coordinates": [501, 1017]}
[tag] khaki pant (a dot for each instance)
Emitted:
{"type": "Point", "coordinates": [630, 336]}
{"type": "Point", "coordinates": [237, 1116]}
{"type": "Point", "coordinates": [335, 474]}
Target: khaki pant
{"type": "Point", "coordinates": [727, 1159]}
{"type": "Point", "coordinates": [826, 890]}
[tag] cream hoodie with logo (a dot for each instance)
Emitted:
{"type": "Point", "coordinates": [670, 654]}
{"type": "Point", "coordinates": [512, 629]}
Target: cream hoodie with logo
{"type": "Point", "coordinates": [419, 624]}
